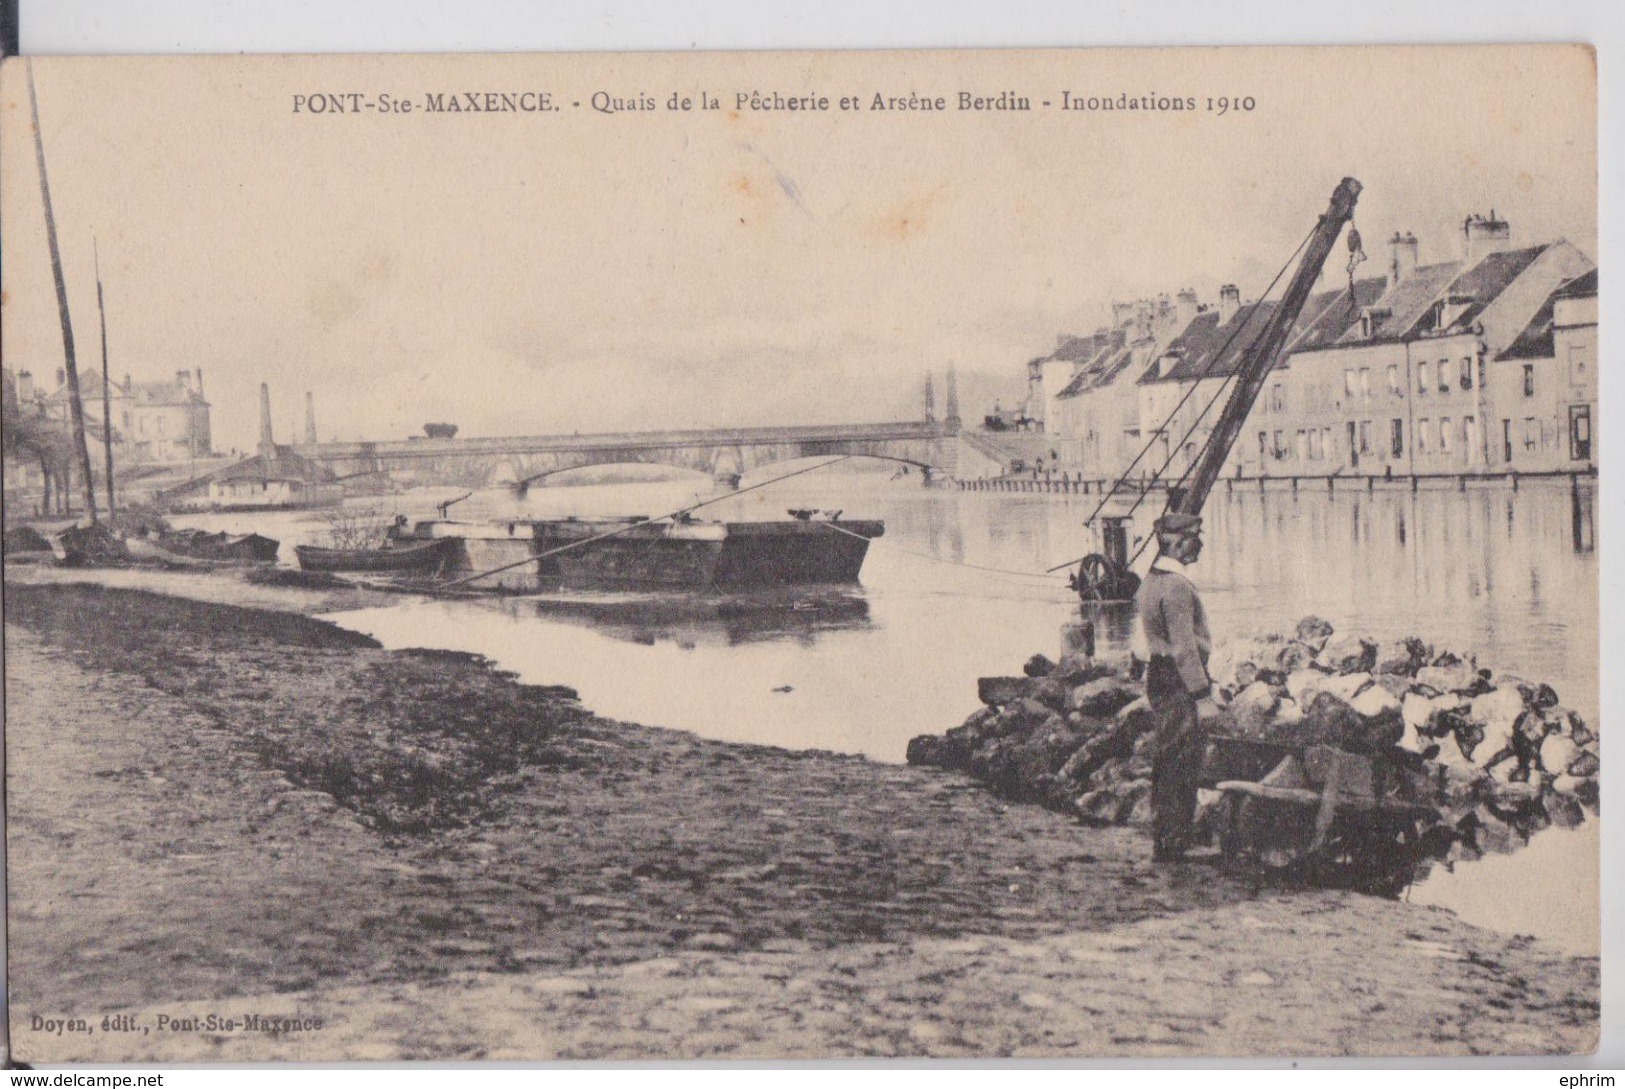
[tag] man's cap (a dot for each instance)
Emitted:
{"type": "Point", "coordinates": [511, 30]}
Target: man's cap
{"type": "Point", "coordinates": [1175, 522]}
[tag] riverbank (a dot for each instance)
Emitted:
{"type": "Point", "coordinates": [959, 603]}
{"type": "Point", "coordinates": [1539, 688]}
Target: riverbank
{"type": "Point", "coordinates": [230, 811]}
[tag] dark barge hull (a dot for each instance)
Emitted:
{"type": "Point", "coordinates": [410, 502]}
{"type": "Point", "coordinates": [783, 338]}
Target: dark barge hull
{"type": "Point", "coordinates": [398, 558]}
{"type": "Point", "coordinates": [661, 556]}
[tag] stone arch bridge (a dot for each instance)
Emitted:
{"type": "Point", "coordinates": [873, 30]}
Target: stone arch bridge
{"type": "Point", "coordinates": [724, 454]}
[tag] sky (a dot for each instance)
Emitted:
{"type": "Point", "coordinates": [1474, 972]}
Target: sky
{"type": "Point", "coordinates": [583, 271]}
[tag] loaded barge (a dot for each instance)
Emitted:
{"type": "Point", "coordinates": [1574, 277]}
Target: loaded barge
{"type": "Point", "coordinates": [640, 554]}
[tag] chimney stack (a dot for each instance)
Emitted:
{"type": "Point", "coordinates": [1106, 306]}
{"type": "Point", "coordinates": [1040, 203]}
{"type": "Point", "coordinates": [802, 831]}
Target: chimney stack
{"type": "Point", "coordinates": [128, 385]}
{"type": "Point", "coordinates": [310, 419]}
{"type": "Point", "coordinates": [1229, 302]}
{"type": "Point", "coordinates": [1483, 236]}
{"type": "Point", "coordinates": [1402, 262]}
{"type": "Point", "coordinates": [267, 441]}
{"type": "Point", "coordinates": [25, 386]}
{"type": "Point", "coordinates": [183, 379]}
{"type": "Point", "coordinates": [951, 420]}
{"type": "Point", "coordinates": [1122, 314]}
{"type": "Point", "coordinates": [200, 381]}
{"type": "Point", "coordinates": [61, 378]}
{"type": "Point", "coordinates": [1185, 308]}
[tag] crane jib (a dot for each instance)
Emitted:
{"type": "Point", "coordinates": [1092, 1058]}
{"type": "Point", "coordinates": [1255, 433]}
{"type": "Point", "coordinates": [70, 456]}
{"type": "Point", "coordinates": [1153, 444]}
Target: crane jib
{"type": "Point", "coordinates": [1258, 362]}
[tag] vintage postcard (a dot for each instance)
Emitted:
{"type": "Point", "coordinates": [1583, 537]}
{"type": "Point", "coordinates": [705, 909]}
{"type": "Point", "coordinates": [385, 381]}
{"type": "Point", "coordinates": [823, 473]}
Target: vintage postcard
{"type": "Point", "coordinates": [1069, 553]}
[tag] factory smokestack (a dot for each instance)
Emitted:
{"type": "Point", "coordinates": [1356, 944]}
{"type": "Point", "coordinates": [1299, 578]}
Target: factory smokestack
{"type": "Point", "coordinates": [267, 440]}
{"type": "Point", "coordinates": [310, 419]}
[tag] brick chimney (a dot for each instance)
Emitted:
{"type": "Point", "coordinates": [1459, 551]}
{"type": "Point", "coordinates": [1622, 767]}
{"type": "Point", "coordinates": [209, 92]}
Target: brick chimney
{"type": "Point", "coordinates": [1402, 260]}
{"type": "Point", "coordinates": [310, 419]}
{"type": "Point", "coordinates": [1482, 236]}
{"type": "Point", "coordinates": [200, 381]}
{"type": "Point", "coordinates": [25, 386]}
{"type": "Point", "coordinates": [1229, 302]}
{"type": "Point", "coordinates": [267, 441]}
{"type": "Point", "coordinates": [1185, 308]}
{"type": "Point", "coordinates": [183, 379]}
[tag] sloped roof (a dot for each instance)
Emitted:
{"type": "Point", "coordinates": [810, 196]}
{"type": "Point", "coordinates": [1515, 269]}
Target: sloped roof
{"type": "Point", "coordinates": [1406, 303]}
{"type": "Point", "coordinates": [1094, 353]}
{"type": "Point", "coordinates": [1482, 284]}
{"type": "Point", "coordinates": [1535, 339]}
{"type": "Point", "coordinates": [1329, 315]}
{"type": "Point", "coordinates": [143, 393]}
{"type": "Point", "coordinates": [1578, 288]}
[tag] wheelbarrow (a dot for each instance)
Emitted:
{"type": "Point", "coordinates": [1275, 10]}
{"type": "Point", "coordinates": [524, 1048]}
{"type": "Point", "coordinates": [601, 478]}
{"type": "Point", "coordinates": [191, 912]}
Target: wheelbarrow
{"type": "Point", "coordinates": [1320, 814]}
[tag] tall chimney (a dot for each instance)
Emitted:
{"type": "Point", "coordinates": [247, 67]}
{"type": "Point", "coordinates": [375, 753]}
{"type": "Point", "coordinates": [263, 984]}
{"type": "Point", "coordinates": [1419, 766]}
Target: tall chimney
{"type": "Point", "coordinates": [183, 379]}
{"type": "Point", "coordinates": [310, 419]}
{"type": "Point", "coordinates": [61, 378]}
{"type": "Point", "coordinates": [200, 381]}
{"type": "Point", "coordinates": [1229, 302]}
{"type": "Point", "coordinates": [1185, 308]}
{"type": "Point", "coordinates": [1402, 261]}
{"type": "Point", "coordinates": [930, 400]}
{"type": "Point", "coordinates": [1483, 236]}
{"type": "Point", "coordinates": [25, 386]}
{"type": "Point", "coordinates": [951, 420]}
{"type": "Point", "coordinates": [1122, 314]}
{"type": "Point", "coordinates": [267, 441]}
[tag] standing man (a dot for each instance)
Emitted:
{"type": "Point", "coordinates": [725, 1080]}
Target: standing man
{"type": "Point", "coordinates": [1176, 681]}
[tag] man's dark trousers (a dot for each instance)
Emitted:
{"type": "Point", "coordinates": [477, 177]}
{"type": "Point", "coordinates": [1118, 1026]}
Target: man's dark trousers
{"type": "Point", "coordinates": [1177, 767]}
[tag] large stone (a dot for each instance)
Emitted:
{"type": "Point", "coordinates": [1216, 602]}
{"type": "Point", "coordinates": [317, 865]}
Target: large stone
{"type": "Point", "coordinates": [1374, 700]}
{"type": "Point", "coordinates": [1302, 684]}
{"type": "Point", "coordinates": [1314, 631]}
{"type": "Point", "coordinates": [1586, 765]}
{"type": "Point", "coordinates": [1497, 713]}
{"type": "Point", "coordinates": [1403, 657]}
{"type": "Point", "coordinates": [926, 750]}
{"type": "Point", "coordinates": [998, 691]}
{"type": "Point", "coordinates": [1448, 678]}
{"type": "Point", "coordinates": [1053, 693]}
{"type": "Point", "coordinates": [1347, 686]}
{"type": "Point", "coordinates": [1294, 656]}
{"type": "Point", "coordinates": [1038, 666]}
{"type": "Point", "coordinates": [1103, 698]}
{"type": "Point", "coordinates": [1349, 654]}
{"type": "Point", "coordinates": [1253, 706]}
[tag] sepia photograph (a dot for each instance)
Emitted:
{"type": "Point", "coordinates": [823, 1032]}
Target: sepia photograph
{"type": "Point", "coordinates": [982, 554]}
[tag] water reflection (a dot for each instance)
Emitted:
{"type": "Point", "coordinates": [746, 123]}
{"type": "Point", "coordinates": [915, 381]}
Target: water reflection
{"type": "Point", "coordinates": [692, 620]}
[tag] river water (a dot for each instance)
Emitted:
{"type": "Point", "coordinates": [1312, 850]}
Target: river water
{"type": "Point", "coordinates": [955, 590]}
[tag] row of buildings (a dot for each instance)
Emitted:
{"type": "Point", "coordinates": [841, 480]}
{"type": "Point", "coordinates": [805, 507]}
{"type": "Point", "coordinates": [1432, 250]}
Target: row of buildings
{"type": "Point", "coordinates": [165, 421]}
{"type": "Point", "coordinates": [1486, 362]}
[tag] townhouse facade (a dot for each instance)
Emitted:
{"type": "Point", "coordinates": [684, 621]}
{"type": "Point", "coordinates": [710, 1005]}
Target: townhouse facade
{"type": "Point", "coordinates": [1486, 362]}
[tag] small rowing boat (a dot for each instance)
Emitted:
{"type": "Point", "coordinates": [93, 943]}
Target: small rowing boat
{"type": "Point", "coordinates": [395, 557]}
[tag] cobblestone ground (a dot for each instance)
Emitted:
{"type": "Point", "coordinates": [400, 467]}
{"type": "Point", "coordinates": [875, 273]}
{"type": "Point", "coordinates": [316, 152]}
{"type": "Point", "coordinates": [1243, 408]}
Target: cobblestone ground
{"type": "Point", "coordinates": [627, 892]}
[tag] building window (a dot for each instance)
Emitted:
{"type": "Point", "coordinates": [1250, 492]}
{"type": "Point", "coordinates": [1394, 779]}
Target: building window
{"type": "Point", "coordinates": [1396, 435]}
{"type": "Point", "coordinates": [1422, 427]}
{"type": "Point", "coordinates": [1506, 441]}
{"type": "Point", "coordinates": [1444, 434]}
{"type": "Point", "coordinates": [1279, 448]}
{"type": "Point", "coordinates": [1580, 432]}
{"type": "Point", "coordinates": [1277, 398]}
{"type": "Point", "coordinates": [1348, 383]}
{"type": "Point", "coordinates": [1393, 378]}
{"type": "Point", "coordinates": [1263, 446]}
{"type": "Point", "coordinates": [1303, 445]}
{"type": "Point", "coordinates": [1577, 364]}
{"type": "Point", "coordinates": [1528, 379]}
{"type": "Point", "coordinates": [1444, 376]}
{"type": "Point", "coordinates": [1422, 378]}
{"type": "Point", "coordinates": [1317, 448]}
{"type": "Point", "coordinates": [1365, 436]}
{"type": "Point", "coordinates": [1467, 373]}
{"type": "Point", "coordinates": [1531, 433]}
{"type": "Point", "coordinates": [1365, 382]}
{"type": "Point", "coordinates": [1468, 433]}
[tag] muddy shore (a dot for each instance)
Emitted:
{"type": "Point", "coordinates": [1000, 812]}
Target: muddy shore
{"type": "Point", "coordinates": [230, 811]}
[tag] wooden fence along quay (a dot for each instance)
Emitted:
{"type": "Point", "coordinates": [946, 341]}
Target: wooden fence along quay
{"type": "Point", "coordinates": [1052, 482]}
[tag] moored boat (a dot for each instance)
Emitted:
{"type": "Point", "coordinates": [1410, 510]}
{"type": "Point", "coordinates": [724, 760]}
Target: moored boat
{"type": "Point", "coordinates": [397, 556]}
{"type": "Point", "coordinates": [685, 555]}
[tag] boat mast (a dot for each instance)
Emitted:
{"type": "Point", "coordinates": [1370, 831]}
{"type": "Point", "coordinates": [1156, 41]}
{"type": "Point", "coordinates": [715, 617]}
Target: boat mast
{"type": "Point", "coordinates": [76, 405]}
{"type": "Point", "coordinates": [1256, 366]}
{"type": "Point", "coordinates": [107, 384]}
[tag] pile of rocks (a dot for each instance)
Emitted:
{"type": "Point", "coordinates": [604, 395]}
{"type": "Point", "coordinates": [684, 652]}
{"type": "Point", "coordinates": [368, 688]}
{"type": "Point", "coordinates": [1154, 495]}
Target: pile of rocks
{"type": "Point", "coordinates": [1504, 757]}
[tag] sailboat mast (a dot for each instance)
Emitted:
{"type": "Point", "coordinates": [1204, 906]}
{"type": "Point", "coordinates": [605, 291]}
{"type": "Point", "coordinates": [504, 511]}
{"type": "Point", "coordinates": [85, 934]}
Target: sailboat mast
{"type": "Point", "coordinates": [107, 384]}
{"type": "Point", "coordinates": [76, 404]}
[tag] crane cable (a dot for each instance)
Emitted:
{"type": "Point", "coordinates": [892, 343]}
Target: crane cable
{"type": "Point", "coordinates": [1356, 256]}
{"type": "Point", "coordinates": [1172, 413]}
